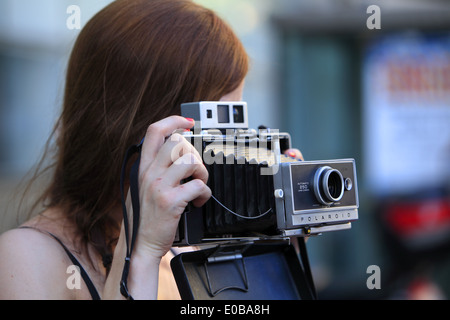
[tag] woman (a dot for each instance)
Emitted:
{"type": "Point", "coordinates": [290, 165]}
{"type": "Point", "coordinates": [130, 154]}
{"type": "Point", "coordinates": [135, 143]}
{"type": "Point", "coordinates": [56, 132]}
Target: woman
{"type": "Point", "coordinates": [132, 66]}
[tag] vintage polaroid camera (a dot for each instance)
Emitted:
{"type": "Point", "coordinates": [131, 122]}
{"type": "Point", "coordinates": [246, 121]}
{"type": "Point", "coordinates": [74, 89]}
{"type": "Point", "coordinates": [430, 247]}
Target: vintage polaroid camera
{"type": "Point", "coordinates": [258, 193]}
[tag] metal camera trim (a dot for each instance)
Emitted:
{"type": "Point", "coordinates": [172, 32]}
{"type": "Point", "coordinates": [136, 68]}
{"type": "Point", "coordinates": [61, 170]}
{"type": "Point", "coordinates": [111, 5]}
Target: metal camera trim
{"type": "Point", "coordinates": [324, 183]}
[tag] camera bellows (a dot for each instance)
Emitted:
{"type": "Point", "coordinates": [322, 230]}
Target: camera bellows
{"type": "Point", "coordinates": [243, 198]}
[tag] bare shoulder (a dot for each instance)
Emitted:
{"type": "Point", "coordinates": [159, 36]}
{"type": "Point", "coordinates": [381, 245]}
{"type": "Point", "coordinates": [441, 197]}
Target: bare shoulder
{"type": "Point", "coordinates": [32, 266]}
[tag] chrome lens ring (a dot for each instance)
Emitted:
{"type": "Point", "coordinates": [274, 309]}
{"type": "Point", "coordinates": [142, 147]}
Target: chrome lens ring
{"type": "Point", "coordinates": [333, 185]}
{"type": "Point", "coordinates": [328, 185]}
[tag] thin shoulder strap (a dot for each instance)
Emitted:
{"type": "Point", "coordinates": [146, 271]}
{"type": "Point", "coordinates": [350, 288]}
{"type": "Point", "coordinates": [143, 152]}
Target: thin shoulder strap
{"type": "Point", "coordinates": [92, 290]}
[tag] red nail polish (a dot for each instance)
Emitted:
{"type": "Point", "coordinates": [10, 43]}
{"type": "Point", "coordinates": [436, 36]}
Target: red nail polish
{"type": "Point", "coordinates": [291, 154]}
{"type": "Point", "coordinates": [190, 119]}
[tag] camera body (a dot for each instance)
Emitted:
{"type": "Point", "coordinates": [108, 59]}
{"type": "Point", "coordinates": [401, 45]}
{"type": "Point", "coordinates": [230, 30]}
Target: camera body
{"type": "Point", "coordinates": [258, 193]}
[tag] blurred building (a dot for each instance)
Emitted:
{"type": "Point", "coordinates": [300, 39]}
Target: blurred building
{"type": "Point", "coordinates": [341, 89]}
{"type": "Point", "coordinates": [380, 96]}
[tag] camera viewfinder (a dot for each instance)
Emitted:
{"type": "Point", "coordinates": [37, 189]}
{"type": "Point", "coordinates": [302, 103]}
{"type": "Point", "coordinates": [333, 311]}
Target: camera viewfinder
{"type": "Point", "coordinates": [222, 114]}
{"type": "Point", "coordinates": [238, 114]}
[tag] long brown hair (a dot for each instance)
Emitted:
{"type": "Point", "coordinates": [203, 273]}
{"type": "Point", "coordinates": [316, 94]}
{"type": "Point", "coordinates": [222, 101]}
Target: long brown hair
{"type": "Point", "coordinates": [133, 63]}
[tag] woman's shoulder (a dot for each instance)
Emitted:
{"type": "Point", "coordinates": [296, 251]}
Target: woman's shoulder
{"type": "Point", "coordinates": [32, 265]}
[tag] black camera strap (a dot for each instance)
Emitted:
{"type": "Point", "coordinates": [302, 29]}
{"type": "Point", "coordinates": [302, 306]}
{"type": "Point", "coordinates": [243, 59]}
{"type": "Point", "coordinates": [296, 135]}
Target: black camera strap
{"type": "Point", "coordinates": [134, 192]}
{"type": "Point", "coordinates": [310, 290]}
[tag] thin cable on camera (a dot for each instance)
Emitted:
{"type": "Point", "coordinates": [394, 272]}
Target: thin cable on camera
{"type": "Point", "coordinates": [238, 215]}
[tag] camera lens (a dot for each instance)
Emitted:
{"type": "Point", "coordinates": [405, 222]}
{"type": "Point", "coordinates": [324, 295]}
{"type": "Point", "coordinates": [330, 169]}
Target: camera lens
{"type": "Point", "coordinates": [333, 185]}
{"type": "Point", "coordinates": [328, 185]}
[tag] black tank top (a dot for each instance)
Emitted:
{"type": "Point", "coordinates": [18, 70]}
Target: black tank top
{"type": "Point", "coordinates": [83, 273]}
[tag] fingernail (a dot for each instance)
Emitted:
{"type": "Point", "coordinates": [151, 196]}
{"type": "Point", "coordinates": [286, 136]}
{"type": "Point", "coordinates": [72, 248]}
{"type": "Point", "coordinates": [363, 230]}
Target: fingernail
{"type": "Point", "coordinates": [291, 154]}
{"type": "Point", "coordinates": [190, 119]}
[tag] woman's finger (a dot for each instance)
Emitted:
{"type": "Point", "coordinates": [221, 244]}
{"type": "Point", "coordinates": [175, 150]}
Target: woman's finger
{"type": "Point", "coordinates": [195, 190]}
{"type": "Point", "coordinates": [294, 153]}
{"type": "Point", "coordinates": [156, 136]}
{"type": "Point", "coordinates": [187, 166]}
{"type": "Point", "coordinates": [175, 147]}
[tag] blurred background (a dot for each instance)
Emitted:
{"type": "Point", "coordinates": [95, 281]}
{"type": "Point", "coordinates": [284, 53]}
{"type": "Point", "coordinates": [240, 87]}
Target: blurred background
{"type": "Point", "coordinates": [320, 72]}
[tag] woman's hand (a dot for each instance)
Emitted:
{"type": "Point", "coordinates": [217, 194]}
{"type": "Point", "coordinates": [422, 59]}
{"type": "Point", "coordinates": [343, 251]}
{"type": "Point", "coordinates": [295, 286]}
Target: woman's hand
{"type": "Point", "coordinates": [294, 153]}
{"type": "Point", "coordinates": [166, 160]}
